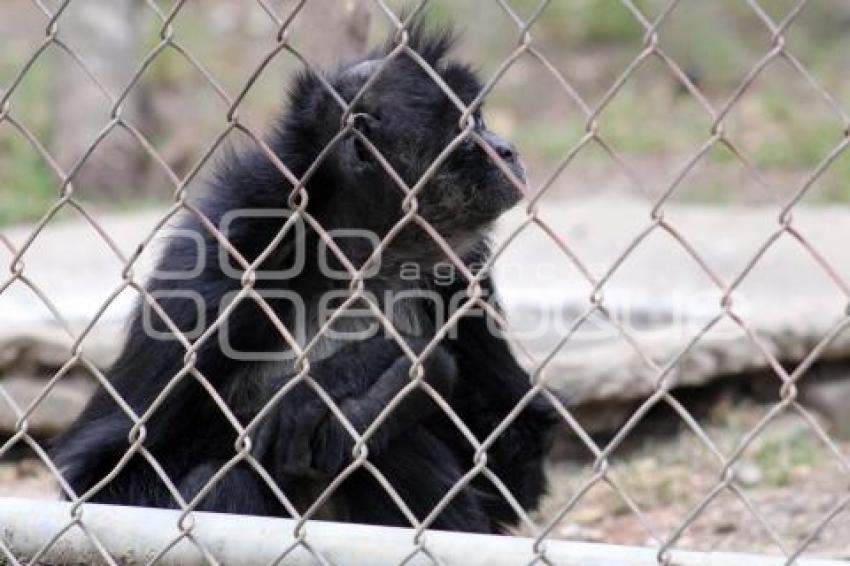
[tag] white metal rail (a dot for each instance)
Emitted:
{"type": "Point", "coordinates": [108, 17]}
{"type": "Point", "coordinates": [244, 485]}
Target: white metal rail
{"type": "Point", "coordinates": [135, 535]}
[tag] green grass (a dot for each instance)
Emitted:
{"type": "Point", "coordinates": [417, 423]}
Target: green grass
{"type": "Point", "coordinates": [780, 458]}
{"type": "Point", "coordinates": [789, 138]}
{"type": "Point", "coordinates": [27, 185]}
{"type": "Point", "coordinates": [600, 21]}
{"type": "Point", "coordinates": [834, 186]}
{"type": "Point", "coordinates": [630, 124]}
{"type": "Point", "coordinates": [584, 22]}
{"type": "Point", "coordinates": [795, 139]}
{"type": "Point", "coordinates": [28, 188]}
{"type": "Point", "coordinates": [548, 141]}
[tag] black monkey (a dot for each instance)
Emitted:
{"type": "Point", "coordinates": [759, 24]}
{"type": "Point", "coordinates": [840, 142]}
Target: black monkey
{"type": "Point", "coordinates": [300, 442]}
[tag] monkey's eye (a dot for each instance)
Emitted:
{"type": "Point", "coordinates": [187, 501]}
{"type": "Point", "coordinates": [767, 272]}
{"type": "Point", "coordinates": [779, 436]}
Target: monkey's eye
{"type": "Point", "coordinates": [479, 121]}
{"type": "Point", "coordinates": [365, 124]}
{"type": "Point", "coordinates": [477, 125]}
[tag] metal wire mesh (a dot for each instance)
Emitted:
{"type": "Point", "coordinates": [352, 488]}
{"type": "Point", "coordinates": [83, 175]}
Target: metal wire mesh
{"type": "Point", "coordinates": [656, 222]}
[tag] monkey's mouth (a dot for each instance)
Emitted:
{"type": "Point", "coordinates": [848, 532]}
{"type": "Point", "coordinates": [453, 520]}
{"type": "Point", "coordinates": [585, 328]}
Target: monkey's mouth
{"type": "Point", "coordinates": [515, 188]}
{"type": "Point", "coordinates": [521, 174]}
{"type": "Point", "coordinates": [499, 195]}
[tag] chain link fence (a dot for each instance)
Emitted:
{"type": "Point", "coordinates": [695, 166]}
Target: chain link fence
{"type": "Point", "coordinates": [303, 537]}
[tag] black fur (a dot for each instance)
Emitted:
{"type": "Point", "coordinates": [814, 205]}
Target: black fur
{"type": "Point", "coordinates": [300, 442]}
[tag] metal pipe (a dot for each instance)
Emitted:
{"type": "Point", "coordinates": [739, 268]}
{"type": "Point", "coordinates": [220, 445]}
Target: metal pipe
{"type": "Point", "coordinates": [135, 535]}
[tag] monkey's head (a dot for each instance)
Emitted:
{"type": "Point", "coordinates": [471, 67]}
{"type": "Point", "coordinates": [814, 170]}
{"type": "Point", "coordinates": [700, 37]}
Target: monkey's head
{"type": "Point", "coordinates": [410, 120]}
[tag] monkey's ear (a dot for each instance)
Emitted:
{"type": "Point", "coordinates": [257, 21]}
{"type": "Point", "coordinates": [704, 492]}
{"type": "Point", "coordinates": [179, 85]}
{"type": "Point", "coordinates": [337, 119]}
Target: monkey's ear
{"type": "Point", "coordinates": [360, 154]}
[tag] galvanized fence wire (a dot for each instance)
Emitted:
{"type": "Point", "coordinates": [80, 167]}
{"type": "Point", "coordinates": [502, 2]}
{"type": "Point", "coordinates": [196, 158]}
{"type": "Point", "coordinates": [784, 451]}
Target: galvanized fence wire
{"type": "Point", "coordinates": [664, 372]}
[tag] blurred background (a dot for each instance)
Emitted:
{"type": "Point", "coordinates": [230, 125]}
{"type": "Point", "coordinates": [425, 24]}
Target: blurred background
{"type": "Point", "coordinates": [782, 123]}
{"type": "Point", "coordinates": [661, 295]}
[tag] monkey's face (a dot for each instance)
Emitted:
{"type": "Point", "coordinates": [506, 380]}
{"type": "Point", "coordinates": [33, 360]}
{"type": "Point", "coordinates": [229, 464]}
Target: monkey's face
{"type": "Point", "coordinates": [461, 187]}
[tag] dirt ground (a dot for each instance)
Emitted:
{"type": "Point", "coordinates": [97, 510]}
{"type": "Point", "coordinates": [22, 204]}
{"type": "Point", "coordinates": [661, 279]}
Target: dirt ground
{"type": "Point", "coordinates": [791, 479]}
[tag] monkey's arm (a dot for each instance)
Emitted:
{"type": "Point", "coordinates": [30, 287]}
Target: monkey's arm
{"type": "Point", "coordinates": [302, 435]}
{"type": "Point", "coordinates": [490, 384]}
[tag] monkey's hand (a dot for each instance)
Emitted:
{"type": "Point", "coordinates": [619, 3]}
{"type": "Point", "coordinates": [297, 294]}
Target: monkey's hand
{"type": "Point", "coordinates": [303, 436]}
